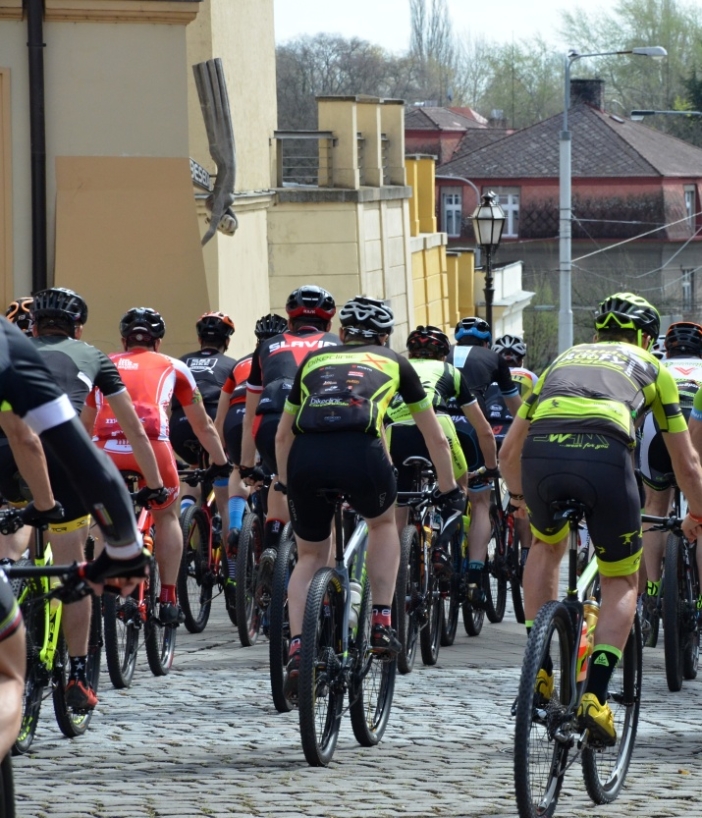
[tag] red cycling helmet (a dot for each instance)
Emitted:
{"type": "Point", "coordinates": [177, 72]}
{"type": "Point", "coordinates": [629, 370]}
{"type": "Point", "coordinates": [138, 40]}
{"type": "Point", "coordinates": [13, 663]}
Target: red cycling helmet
{"type": "Point", "coordinates": [214, 326]}
{"type": "Point", "coordinates": [312, 302]}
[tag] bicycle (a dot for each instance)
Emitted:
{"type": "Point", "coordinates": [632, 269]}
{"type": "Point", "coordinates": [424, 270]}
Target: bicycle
{"type": "Point", "coordinates": [336, 657]}
{"type": "Point", "coordinates": [505, 563]}
{"type": "Point", "coordinates": [279, 629]}
{"type": "Point", "coordinates": [39, 588]}
{"type": "Point", "coordinates": [546, 729]}
{"type": "Point", "coordinates": [125, 617]}
{"type": "Point", "coordinates": [680, 592]}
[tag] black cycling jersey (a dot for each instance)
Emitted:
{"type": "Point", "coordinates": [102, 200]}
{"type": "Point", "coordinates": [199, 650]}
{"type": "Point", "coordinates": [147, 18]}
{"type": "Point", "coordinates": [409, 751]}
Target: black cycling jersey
{"type": "Point", "coordinates": [210, 368]}
{"type": "Point", "coordinates": [275, 362]}
{"type": "Point", "coordinates": [481, 367]}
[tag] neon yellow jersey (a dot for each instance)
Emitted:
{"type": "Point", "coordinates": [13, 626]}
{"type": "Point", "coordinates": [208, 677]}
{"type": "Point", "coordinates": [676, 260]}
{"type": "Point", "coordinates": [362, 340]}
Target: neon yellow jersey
{"type": "Point", "coordinates": [441, 381]}
{"type": "Point", "coordinates": [603, 388]}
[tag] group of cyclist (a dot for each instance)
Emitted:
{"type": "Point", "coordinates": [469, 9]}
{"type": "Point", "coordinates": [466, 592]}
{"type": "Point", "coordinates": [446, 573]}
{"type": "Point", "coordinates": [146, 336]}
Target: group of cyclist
{"type": "Point", "coordinates": [317, 411]}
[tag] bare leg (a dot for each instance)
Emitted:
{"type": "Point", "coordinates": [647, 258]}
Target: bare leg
{"type": "Point", "coordinates": [541, 575]}
{"type": "Point", "coordinates": [76, 616]}
{"type": "Point", "coordinates": [168, 543]}
{"type": "Point", "coordinates": [658, 504]}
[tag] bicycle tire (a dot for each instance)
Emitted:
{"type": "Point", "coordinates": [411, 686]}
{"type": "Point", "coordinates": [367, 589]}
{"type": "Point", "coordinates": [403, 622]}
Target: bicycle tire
{"type": "Point", "coordinates": [406, 591]}
{"type": "Point", "coordinates": [71, 724]}
{"type": "Point", "coordinates": [539, 760]}
{"type": "Point", "coordinates": [495, 572]}
{"type": "Point", "coordinates": [37, 677]}
{"type": "Point", "coordinates": [320, 683]}
{"type": "Point", "coordinates": [673, 615]}
{"type": "Point", "coordinates": [373, 680]}
{"type": "Point", "coordinates": [473, 619]}
{"type": "Point", "coordinates": [122, 625]}
{"type": "Point", "coordinates": [691, 646]}
{"type": "Point", "coordinates": [605, 769]}
{"type": "Point", "coordinates": [7, 788]}
{"type": "Point", "coordinates": [195, 577]}
{"type": "Point", "coordinates": [451, 597]}
{"type": "Point", "coordinates": [514, 561]}
{"type": "Point", "coordinates": [250, 548]}
{"type": "Point", "coordinates": [279, 632]}
{"type": "Point", "coordinates": [159, 639]}
{"type": "Point", "coordinates": [430, 634]}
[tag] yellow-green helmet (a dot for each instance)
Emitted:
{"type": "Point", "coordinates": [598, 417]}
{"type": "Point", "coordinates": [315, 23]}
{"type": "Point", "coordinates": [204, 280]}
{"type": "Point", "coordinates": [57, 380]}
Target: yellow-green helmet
{"type": "Point", "coordinates": [628, 311]}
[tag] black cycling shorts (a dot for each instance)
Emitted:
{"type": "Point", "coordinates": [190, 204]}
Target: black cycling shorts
{"type": "Point", "coordinates": [184, 441]}
{"type": "Point", "coordinates": [233, 426]}
{"type": "Point", "coordinates": [597, 471]}
{"type": "Point", "coordinates": [353, 463]}
{"type": "Point", "coordinates": [265, 441]}
{"type": "Point", "coordinates": [468, 438]}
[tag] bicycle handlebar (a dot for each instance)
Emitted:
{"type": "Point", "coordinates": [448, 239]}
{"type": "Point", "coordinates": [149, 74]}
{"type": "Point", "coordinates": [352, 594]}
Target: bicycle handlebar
{"type": "Point", "coordinates": [74, 584]}
{"type": "Point", "coordinates": [670, 523]}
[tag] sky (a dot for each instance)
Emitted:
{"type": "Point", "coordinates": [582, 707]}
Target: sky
{"type": "Point", "coordinates": [387, 22]}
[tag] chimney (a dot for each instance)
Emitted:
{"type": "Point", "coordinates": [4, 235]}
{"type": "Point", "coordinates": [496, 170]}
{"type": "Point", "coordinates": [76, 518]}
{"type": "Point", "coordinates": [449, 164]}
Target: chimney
{"type": "Point", "coordinates": [497, 119]}
{"type": "Point", "coordinates": [591, 92]}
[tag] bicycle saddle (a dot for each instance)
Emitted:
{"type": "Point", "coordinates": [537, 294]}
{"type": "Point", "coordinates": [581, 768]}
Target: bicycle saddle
{"type": "Point", "coordinates": [568, 510]}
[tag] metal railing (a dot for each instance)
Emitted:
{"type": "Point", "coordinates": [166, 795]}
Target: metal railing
{"type": "Point", "coordinates": [304, 158]}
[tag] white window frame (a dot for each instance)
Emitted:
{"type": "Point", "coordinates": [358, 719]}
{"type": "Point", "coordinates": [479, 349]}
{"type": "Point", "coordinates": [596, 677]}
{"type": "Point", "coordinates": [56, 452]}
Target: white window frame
{"type": "Point", "coordinates": [690, 193]}
{"type": "Point", "coordinates": [687, 288]}
{"type": "Point", "coordinates": [509, 200]}
{"type": "Point", "coordinates": [452, 211]}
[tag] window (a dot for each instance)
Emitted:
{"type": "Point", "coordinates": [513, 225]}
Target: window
{"type": "Point", "coordinates": [687, 285]}
{"type": "Point", "coordinates": [451, 211]}
{"type": "Point", "coordinates": [690, 204]}
{"type": "Point", "coordinates": [508, 199]}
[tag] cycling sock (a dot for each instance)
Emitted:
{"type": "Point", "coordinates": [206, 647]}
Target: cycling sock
{"type": "Point", "coordinates": [295, 645]}
{"type": "Point", "coordinates": [271, 533]}
{"type": "Point", "coordinates": [529, 623]}
{"type": "Point", "coordinates": [699, 602]}
{"type": "Point", "coordinates": [475, 569]}
{"type": "Point", "coordinates": [602, 663]}
{"type": "Point", "coordinates": [653, 587]}
{"type": "Point", "coordinates": [237, 505]}
{"type": "Point", "coordinates": [186, 500]}
{"type": "Point", "coordinates": [381, 615]}
{"type": "Point", "coordinates": [78, 664]}
{"type": "Point", "coordinates": [168, 594]}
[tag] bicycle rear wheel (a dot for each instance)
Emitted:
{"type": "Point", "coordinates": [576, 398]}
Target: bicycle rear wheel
{"type": "Point", "coordinates": [280, 624]}
{"type": "Point", "coordinates": [373, 681]}
{"type": "Point", "coordinates": [473, 619]}
{"type": "Point", "coordinates": [604, 769]}
{"type": "Point", "coordinates": [430, 634]}
{"type": "Point", "coordinates": [121, 625]}
{"type": "Point", "coordinates": [159, 639]}
{"type": "Point", "coordinates": [248, 615]}
{"type": "Point", "coordinates": [7, 788]}
{"type": "Point", "coordinates": [32, 605]}
{"type": "Point", "coordinates": [195, 578]}
{"type": "Point", "coordinates": [540, 760]}
{"type": "Point", "coordinates": [407, 594]}
{"type": "Point", "coordinates": [450, 590]}
{"type": "Point", "coordinates": [321, 680]}
{"type": "Point", "coordinates": [495, 571]}
{"type": "Point", "coordinates": [673, 612]}
{"type": "Point", "coordinates": [691, 643]}
{"type": "Point", "coordinates": [515, 570]}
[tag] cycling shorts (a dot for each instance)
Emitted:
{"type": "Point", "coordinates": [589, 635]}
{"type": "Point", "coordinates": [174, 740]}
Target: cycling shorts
{"type": "Point", "coordinates": [233, 427]}
{"type": "Point", "coordinates": [596, 470]}
{"type": "Point", "coordinates": [353, 463]}
{"type": "Point", "coordinates": [654, 459]}
{"type": "Point", "coordinates": [265, 427]}
{"type": "Point", "coordinates": [184, 441]}
{"type": "Point", "coordinates": [121, 454]}
{"type": "Point", "coordinates": [405, 440]}
{"type": "Point", "coordinates": [468, 438]}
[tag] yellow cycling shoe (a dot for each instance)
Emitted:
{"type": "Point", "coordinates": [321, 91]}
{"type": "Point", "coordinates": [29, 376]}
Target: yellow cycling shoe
{"type": "Point", "coordinates": [598, 719]}
{"type": "Point", "coordinates": [544, 685]}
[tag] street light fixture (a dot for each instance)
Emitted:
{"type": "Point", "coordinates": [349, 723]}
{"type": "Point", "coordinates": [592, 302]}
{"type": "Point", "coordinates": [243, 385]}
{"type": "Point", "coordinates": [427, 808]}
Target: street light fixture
{"type": "Point", "coordinates": [637, 116]}
{"type": "Point", "coordinates": [565, 315]}
{"type": "Point", "coordinates": [488, 221]}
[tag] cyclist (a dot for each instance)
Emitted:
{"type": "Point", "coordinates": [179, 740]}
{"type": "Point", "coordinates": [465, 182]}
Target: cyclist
{"type": "Point", "coordinates": [428, 348]}
{"type": "Point", "coordinates": [331, 436]}
{"type": "Point", "coordinates": [210, 368]}
{"type": "Point", "coordinates": [274, 363]}
{"type": "Point", "coordinates": [683, 348]}
{"type": "Point", "coordinates": [58, 316]}
{"type": "Point", "coordinates": [20, 313]}
{"type": "Point", "coordinates": [229, 422]}
{"type": "Point", "coordinates": [152, 379]}
{"type": "Point", "coordinates": [574, 437]}
{"type": "Point", "coordinates": [480, 367]}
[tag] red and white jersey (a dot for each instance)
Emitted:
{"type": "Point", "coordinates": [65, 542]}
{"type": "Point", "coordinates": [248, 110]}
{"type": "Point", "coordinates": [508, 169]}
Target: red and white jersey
{"type": "Point", "coordinates": [684, 369]}
{"type": "Point", "coordinates": [152, 379]}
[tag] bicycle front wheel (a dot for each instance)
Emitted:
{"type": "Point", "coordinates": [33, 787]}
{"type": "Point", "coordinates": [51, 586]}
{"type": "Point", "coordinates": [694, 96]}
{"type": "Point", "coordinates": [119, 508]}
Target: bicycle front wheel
{"type": "Point", "coordinates": [495, 572]}
{"type": "Point", "coordinates": [248, 615]}
{"type": "Point", "coordinates": [407, 595]}
{"type": "Point", "coordinates": [321, 681]}
{"type": "Point", "coordinates": [280, 623]}
{"type": "Point", "coordinates": [673, 615]}
{"type": "Point", "coordinates": [450, 591]}
{"type": "Point", "coordinates": [539, 759]}
{"type": "Point", "coordinates": [604, 769]}
{"type": "Point", "coordinates": [121, 625]}
{"type": "Point", "coordinates": [430, 634]}
{"type": "Point", "coordinates": [195, 578]}
{"type": "Point", "coordinates": [373, 681]}
{"type": "Point", "coordinates": [159, 639]}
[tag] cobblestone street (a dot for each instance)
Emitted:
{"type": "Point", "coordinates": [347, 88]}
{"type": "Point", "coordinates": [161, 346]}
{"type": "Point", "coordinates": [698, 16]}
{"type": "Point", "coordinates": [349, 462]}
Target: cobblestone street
{"type": "Point", "coordinates": [207, 741]}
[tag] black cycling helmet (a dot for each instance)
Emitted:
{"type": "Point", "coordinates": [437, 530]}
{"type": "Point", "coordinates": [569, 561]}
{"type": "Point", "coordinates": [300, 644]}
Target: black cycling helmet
{"type": "Point", "coordinates": [310, 301]}
{"type": "Point", "coordinates": [59, 302]}
{"type": "Point", "coordinates": [142, 324]}
{"type": "Point", "coordinates": [628, 311]}
{"type": "Point", "coordinates": [474, 328]}
{"type": "Point", "coordinates": [20, 313]}
{"type": "Point", "coordinates": [684, 338]}
{"type": "Point", "coordinates": [214, 326]}
{"type": "Point", "coordinates": [268, 326]}
{"type": "Point", "coordinates": [428, 342]}
{"type": "Point", "coordinates": [510, 346]}
{"type": "Point", "coordinates": [367, 317]}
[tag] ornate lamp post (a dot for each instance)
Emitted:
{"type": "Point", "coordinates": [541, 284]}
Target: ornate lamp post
{"type": "Point", "coordinates": [488, 221]}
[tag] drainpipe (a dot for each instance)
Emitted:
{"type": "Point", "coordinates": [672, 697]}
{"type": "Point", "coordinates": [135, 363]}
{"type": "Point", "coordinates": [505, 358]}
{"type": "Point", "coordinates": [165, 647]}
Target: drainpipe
{"type": "Point", "coordinates": [37, 132]}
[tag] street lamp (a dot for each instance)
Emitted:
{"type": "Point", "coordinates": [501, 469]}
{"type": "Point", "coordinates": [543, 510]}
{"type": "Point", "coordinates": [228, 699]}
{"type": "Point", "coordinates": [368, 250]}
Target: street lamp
{"type": "Point", "coordinates": [637, 116]}
{"type": "Point", "coordinates": [488, 220]}
{"type": "Point", "coordinates": [565, 315]}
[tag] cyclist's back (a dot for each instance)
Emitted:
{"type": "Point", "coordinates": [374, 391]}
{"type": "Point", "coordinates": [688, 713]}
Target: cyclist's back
{"type": "Point", "coordinates": [512, 349]}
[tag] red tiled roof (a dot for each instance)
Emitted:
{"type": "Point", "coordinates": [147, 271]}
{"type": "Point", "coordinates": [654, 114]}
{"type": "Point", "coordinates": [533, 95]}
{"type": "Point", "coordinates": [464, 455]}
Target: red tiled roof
{"type": "Point", "coordinates": [418, 118]}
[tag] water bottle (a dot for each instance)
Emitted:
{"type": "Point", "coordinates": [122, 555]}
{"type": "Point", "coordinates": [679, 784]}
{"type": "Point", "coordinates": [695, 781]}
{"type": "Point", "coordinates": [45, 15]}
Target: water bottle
{"type": "Point", "coordinates": [583, 653]}
{"type": "Point", "coordinates": [356, 593]}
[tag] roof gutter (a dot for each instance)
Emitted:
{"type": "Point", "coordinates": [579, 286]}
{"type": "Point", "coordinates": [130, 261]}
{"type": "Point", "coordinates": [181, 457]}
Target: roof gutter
{"type": "Point", "coordinates": [37, 132]}
{"type": "Point", "coordinates": [463, 179]}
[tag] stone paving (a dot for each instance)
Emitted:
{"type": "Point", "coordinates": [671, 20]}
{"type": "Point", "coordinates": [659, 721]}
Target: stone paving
{"type": "Point", "coordinates": [207, 741]}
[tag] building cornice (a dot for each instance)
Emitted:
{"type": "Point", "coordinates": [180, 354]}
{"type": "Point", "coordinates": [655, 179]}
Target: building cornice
{"type": "Point", "coordinates": [171, 12]}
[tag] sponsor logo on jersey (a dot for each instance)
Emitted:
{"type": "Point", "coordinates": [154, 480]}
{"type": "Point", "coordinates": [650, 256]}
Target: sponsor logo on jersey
{"type": "Point", "coordinates": [126, 363]}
